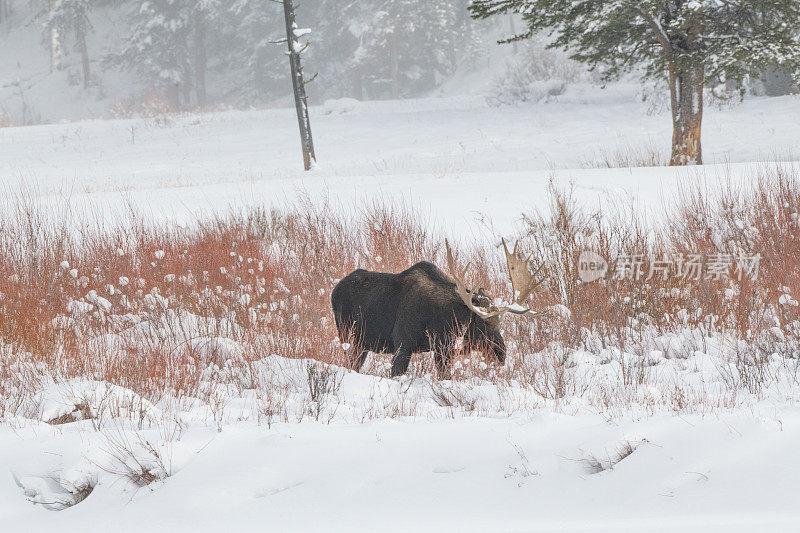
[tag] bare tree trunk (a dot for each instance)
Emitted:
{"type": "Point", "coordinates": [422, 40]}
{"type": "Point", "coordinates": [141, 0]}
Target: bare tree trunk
{"type": "Point", "coordinates": [358, 86]}
{"type": "Point", "coordinates": [80, 42]}
{"type": "Point", "coordinates": [395, 65]}
{"type": "Point", "coordinates": [55, 46]}
{"type": "Point", "coordinates": [55, 50]}
{"type": "Point", "coordinates": [200, 59]}
{"type": "Point", "coordinates": [185, 88]}
{"type": "Point", "coordinates": [686, 95]}
{"type": "Point", "coordinates": [299, 86]}
{"type": "Point", "coordinates": [173, 94]}
{"type": "Point", "coordinates": [514, 44]}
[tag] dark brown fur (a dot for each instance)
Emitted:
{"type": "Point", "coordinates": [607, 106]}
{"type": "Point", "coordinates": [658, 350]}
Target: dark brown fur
{"type": "Point", "coordinates": [417, 310]}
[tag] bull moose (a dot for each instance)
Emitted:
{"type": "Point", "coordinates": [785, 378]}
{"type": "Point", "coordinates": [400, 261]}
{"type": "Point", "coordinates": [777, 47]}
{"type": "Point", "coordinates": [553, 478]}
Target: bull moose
{"type": "Point", "coordinates": [423, 309]}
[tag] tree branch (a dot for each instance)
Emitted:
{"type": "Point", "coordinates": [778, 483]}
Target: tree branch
{"type": "Point", "coordinates": [658, 30]}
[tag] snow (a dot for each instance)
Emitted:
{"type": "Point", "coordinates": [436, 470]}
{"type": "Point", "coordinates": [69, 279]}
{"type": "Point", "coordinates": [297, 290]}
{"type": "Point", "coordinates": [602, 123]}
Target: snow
{"type": "Point", "coordinates": [101, 303]}
{"type": "Point", "coordinates": [437, 154]}
{"type": "Point", "coordinates": [546, 467]}
{"type": "Point", "coordinates": [391, 454]}
{"type": "Point", "coordinates": [79, 308]}
{"type": "Point", "coordinates": [340, 106]}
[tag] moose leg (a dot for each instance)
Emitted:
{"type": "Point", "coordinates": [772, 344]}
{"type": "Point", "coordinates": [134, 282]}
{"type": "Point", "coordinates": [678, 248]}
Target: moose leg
{"type": "Point", "coordinates": [400, 361]}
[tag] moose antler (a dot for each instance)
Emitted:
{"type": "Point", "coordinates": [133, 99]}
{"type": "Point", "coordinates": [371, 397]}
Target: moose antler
{"type": "Point", "coordinates": [523, 282]}
{"type": "Point", "coordinates": [523, 279]}
{"type": "Point", "coordinates": [461, 289]}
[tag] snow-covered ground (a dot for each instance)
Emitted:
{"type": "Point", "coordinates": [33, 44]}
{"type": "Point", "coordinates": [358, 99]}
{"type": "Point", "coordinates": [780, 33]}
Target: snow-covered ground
{"type": "Point", "coordinates": [455, 157]}
{"type": "Point", "coordinates": [396, 455]}
{"type": "Point", "coordinates": [410, 453]}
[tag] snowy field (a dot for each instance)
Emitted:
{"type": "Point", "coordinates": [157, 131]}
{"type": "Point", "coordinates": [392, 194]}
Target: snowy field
{"type": "Point", "coordinates": [540, 469]}
{"type": "Point", "coordinates": [456, 158]}
{"type": "Point", "coordinates": [411, 453]}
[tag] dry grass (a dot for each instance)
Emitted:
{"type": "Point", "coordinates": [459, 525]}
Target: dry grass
{"type": "Point", "coordinates": [260, 278]}
{"type": "Point", "coordinates": [263, 279]}
{"type": "Point", "coordinates": [629, 156]}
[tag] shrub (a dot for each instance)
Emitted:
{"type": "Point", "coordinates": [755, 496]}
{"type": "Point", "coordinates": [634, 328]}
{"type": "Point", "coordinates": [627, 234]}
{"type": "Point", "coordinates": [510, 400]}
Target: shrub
{"type": "Point", "coordinates": [172, 311]}
{"type": "Point", "coordinates": [536, 74]}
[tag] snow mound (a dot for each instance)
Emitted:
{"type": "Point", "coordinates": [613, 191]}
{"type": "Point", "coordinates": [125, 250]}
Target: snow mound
{"type": "Point", "coordinates": [216, 350]}
{"type": "Point", "coordinates": [84, 399]}
{"type": "Point", "coordinates": [340, 106]}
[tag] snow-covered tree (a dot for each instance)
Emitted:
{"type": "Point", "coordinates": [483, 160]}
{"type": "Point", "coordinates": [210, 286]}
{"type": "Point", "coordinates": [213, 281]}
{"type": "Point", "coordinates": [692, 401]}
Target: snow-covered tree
{"type": "Point", "coordinates": [5, 10]}
{"type": "Point", "coordinates": [373, 49]}
{"type": "Point", "coordinates": [391, 47]}
{"type": "Point", "coordinates": [158, 46]}
{"type": "Point", "coordinates": [168, 43]}
{"type": "Point", "coordinates": [690, 42]}
{"type": "Point", "coordinates": [69, 16]}
{"type": "Point", "coordinates": [251, 29]}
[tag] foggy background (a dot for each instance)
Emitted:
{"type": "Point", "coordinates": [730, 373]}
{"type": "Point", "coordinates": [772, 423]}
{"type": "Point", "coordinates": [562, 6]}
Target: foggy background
{"type": "Point", "coordinates": [68, 59]}
{"type": "Point", "coordinates": [75, 59]}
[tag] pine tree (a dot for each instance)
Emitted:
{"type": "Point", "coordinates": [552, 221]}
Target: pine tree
{"type": "Point", "coordinates": [339, 62]}
{"type": "Point", "coordinates": [690, 42]}
{"type": "Point", "coordinates": [67, 16]}
{"type": "Point", "coordinates": [375, 49]}
{"type": "Point", "coordinates": [158, 46]}
{"type": "Point", "coordinates": [251, 28]}
{"type": "Point", "coordinates": [380, 37]}
{"type": "Point", "coordinates": [391, 48]}
{"type": "Point", "coordinates": [4, 10]}
{"type": "Point", "coordinates": [168, 45]}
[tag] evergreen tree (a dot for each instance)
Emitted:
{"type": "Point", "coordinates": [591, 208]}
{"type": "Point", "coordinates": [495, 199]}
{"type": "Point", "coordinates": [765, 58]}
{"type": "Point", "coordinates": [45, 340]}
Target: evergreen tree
{"type": "Point", "coordinates": [390, 47]}
{"type": "Point", "coordinates": [336, 61]}
{"type": "Point", "coordinates": [251, 28]}
{"type": "Point", "coordinates": [4, 10]}
{"type": "Point", "coordinates": [70, 16]}
{"type": "Point", "coordinates": [374, 49]}
{"type": "Point", "coordinates": [168, 43]}
{"type": "Point", "coordinates": [690, 42]}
